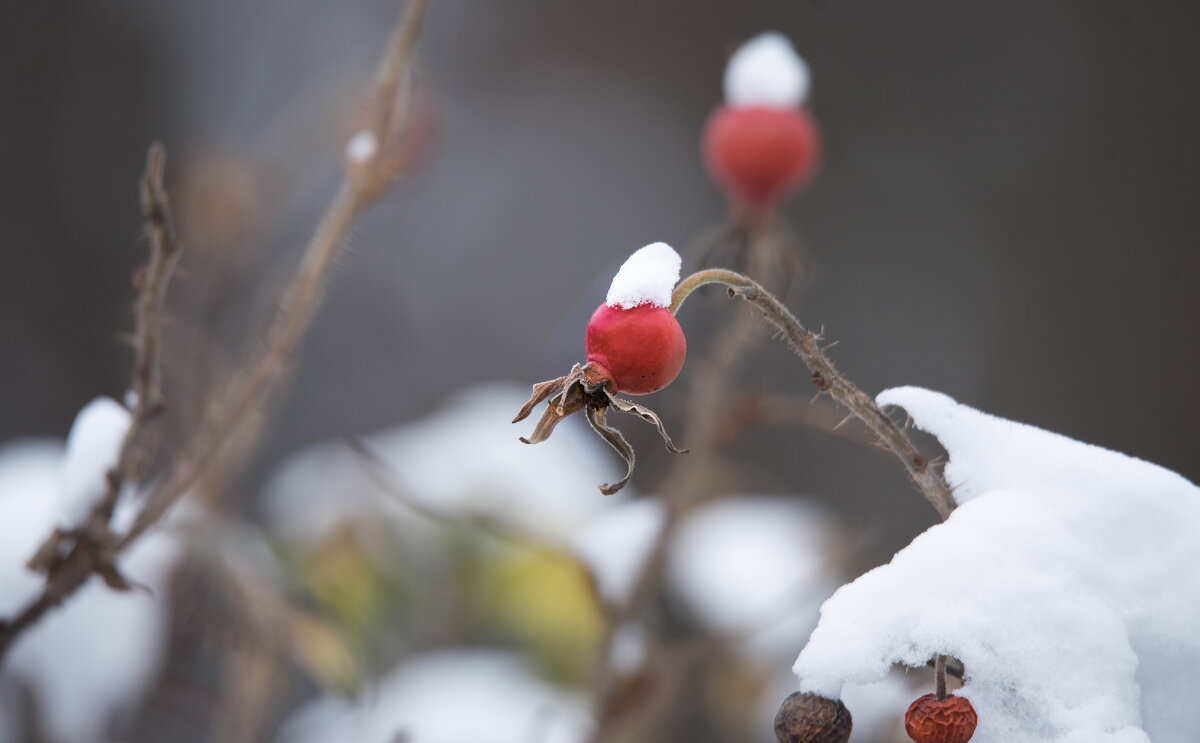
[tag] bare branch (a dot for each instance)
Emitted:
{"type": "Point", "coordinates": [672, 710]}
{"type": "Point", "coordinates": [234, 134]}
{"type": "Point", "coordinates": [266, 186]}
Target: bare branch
{"type": "Point", "coordinates": [248, 391]}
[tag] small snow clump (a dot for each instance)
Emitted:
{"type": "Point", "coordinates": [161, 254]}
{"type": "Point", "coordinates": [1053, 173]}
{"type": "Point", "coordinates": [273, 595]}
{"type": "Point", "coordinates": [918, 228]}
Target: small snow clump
{"type": "Point", "coordinates": [647, 277]}
{"type": "Point", "coordinates": [93, 446]}
{"type": "Point", "coordinates": [766, 71]}
{"type": "Point", "coordinates": [1065, 581]}
{"type": "Point", "coordinates": [362, 147]}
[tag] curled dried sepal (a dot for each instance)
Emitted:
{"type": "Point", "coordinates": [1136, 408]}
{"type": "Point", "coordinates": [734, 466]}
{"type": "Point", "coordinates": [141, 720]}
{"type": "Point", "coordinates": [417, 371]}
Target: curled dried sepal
{"type": "Point", "coordinates": [617, 441]}
{"type": "Point", "coordinates": [587, 388]}
{"type": "Point", "coordinates": [648, 415]}
{"type": "Point", "coordinates": [541, 391]}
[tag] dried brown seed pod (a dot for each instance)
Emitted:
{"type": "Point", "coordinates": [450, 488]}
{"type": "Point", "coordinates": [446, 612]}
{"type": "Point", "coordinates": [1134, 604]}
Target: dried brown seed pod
{"type": "Point", "coordinates": [808, 718]}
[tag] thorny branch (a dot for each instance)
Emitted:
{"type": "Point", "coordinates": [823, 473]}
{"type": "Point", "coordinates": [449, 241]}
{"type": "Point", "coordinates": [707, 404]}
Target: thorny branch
{"type": "Point", "coordinates": [90, 549]}
{"type": "Point", "coordinates": [827, 378]}
{"type": "Point", "coordinates": [242, 401]}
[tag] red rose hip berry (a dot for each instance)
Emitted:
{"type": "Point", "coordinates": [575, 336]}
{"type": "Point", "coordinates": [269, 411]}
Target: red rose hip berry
{"type": "Point", "coordinates": [640, 348]}
{"type": "Point", "coordinates": [948, 720]}
{"type": "Point", "coordinates": [760, 154]}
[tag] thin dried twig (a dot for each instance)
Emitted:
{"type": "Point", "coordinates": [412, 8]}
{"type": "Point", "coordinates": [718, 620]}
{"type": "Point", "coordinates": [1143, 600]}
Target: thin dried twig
{"type": "Point", "coordinates": [90, 547]}
{"type": "Point", "coordinates": [241, 402]}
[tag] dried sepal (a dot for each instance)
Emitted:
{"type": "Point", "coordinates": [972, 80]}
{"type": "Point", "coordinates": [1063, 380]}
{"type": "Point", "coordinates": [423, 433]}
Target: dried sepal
{"type": "Point", "coordinates": [648, 415]}
{"type": "Point", "coordinates": [588, 388]}
{"type": "Point", "coordinates": [541, 391]}
{"type": "Point", "coordinates": [569, 402]}
{"type": "Point", "coordinates": [616, 440]}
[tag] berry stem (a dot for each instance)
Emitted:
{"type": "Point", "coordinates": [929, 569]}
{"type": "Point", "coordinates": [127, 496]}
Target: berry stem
{"type": "Point", "coordinates": [827, 378]}
{"type": "Point", "coordinates": [939, 676]}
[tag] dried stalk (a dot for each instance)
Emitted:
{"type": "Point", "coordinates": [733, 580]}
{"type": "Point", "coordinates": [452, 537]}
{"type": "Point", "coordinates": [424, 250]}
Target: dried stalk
{"type": "Point", "coordinates": [241, 401]}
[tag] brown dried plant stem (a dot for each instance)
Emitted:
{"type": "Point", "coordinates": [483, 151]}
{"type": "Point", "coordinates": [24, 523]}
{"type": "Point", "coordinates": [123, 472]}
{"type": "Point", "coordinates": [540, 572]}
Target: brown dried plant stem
{"type": "Point", "coordinates": [828, 379]}
{"type": "Point", "coordinates": [243, 400]}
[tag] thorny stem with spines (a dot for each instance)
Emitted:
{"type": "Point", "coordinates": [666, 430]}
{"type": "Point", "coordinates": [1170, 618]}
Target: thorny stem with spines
{"type": "Point", "coordinates": [241, 402]}
{"type": "Point", "coordinates": [827, 378]}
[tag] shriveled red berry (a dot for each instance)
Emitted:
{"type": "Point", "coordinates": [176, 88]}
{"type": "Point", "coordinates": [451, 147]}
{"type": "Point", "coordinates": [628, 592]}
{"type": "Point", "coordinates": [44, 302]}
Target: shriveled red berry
{"type": "Point", "coordinates": [758, 154]}
{"type": "Point", "coordinates": [933, 720]}
{"type": "Point", "coordinates": [641, 348]}
{"type": "Point", "coordinates": [809, 718]}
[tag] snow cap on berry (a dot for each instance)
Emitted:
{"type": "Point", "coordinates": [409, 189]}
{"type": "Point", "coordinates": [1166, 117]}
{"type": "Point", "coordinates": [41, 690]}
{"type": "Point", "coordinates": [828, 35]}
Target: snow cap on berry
{"type": "Point", "coordinates": [766, 71]}
{"type": "Point", "coordinates": [647, 277]}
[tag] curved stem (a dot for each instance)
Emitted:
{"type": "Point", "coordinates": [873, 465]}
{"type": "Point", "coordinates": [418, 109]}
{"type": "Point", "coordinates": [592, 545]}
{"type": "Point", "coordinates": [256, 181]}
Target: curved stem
{"type": "Point", "coordinates": [827, 378]}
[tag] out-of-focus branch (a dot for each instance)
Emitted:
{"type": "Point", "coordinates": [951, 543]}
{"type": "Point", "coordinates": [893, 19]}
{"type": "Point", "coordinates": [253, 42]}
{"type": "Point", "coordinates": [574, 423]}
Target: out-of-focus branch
{"type": "Point", "coordinates": [243, 401]}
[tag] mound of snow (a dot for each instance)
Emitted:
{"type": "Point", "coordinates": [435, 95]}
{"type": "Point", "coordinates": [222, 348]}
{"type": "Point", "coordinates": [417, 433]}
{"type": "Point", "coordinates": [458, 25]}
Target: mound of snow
{"type": "Point", "coordinates": [1066, 582]}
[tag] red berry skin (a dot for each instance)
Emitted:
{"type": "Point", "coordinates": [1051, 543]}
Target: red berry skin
{"type": "Point", "coordinates": [759, 155]}
{"type": "Point", "coordinates": [933, 720]}
{"type": "Point", "coordinates": [641, 349]}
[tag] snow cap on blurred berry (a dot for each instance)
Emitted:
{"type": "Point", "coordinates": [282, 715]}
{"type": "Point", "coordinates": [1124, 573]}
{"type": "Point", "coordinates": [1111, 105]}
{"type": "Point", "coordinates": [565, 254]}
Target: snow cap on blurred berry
{"type": "Point", "coordinates": [647, 277]}
{"type": "Point", "coordinates": [766, 71]}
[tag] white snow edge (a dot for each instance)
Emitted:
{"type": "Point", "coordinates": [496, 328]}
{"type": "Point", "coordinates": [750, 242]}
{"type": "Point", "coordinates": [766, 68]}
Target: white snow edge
{"type": "Point", "coordinates": [647, 277]}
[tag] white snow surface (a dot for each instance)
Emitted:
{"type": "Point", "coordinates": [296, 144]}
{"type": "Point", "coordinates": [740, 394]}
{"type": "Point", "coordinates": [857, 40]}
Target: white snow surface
{"type": "Point", "coordinates": [647, 277]}
{"type": "Point", "coordinates": [766, 71]}
{"type": "Point", "coordinates": [616, 544]}
{"type": "Point", "coordinates": [97, 654]}
{"type": "Point", "coordinates": [92, 449]}
{"type": "Point", "coordinates": [447, 697]}
{"type": "Point", "coordinates": [1066, 581]}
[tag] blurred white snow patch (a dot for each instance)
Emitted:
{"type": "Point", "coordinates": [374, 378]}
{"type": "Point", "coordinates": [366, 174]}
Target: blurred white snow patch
{"type": "Point", "coordinates": [1066, 582]}
{"type": "Point", "coordinates": [629, 651]}
{"type": "Point", "coordinates": [647, 277]}
{"type": "Point", "coordinates": [446, 697]}
{"type": "Point", "coordinates": [616, 544]}
{"type": "Point", "coordinates": [464, 460]}
{"type": "Point", "coordinates": [30, 482]}
{"type": "Point", "coordinates": [92, 449]}
{"type": "Point", "coordinates": [362, 147]}
{"type": "Point", "coordinates": [98, 653]}
{"type": "Point", "coordinates": [755, 566]}
{"type": "Point", "coordinates": [766, 71]}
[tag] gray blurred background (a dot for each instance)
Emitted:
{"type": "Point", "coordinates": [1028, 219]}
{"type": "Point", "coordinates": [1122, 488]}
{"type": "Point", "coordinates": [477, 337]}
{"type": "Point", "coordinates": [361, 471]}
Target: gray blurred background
{"type": "Point", "coordinates": [1007, 209]}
